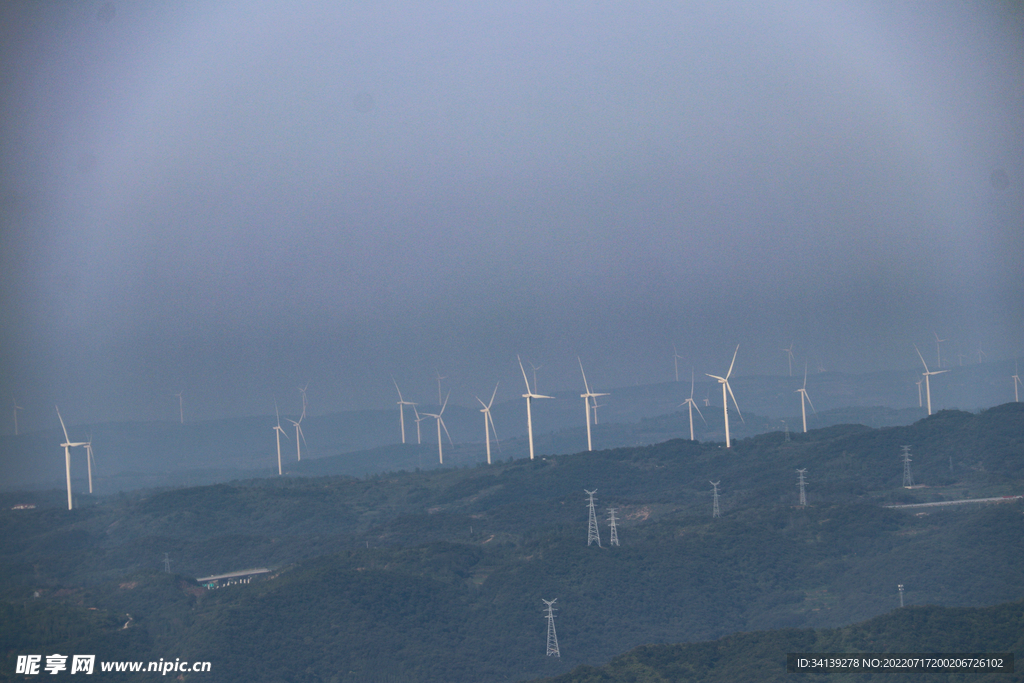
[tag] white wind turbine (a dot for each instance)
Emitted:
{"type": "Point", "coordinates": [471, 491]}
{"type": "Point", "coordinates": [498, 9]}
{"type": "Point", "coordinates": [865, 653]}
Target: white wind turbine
{"type": "Point", "coordinates": [529, 396]}
{"type": "Point", "coordinates": [302, 390]}
{"type": "Point", "coordinates": [927, 374]}
{"type": "Point", "coordinates": [692, 404]}
{"type": "Point", "coordinates": [440, 424]}
{"type": "Point", "coordinates": [938, 350]}
{"type": "Point", "coordinates": [920, 396]}
{"type": "Point", "coordinates": [804, 395]}
{"type": "Point", "coordinates": [279, 430]}
{"type": "Point", "coordinates": [16, 409]}
{"type": "Point", "coordinates": [419, 418]}
{"type": "Point", "coordinates": [298, 434]}
{"type": "Point", "coordinates": [724, 381]}
{"type": "Point", "coordinates": [586, 402]}
{"type": "Point", "coordinates": [402, 403]}
{"type": "Point", "coordinates": [789, 354]}
{"type": "Point", "coordinates": [181, 406]}
{"type": "Point", "coordinates": [489, 422]}
{"type": "Point", "coordinates": [89, 459]}
{"type": "Point", "coordinates": [1016, 381]}
{"type": "Point", "coordinates": [675, 360]}
{"type": "Point", "coordinates": [68, 444]}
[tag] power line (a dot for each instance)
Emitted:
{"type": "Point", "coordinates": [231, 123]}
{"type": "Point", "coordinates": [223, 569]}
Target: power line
{"type": "Point", "coordinates": [593, 535]}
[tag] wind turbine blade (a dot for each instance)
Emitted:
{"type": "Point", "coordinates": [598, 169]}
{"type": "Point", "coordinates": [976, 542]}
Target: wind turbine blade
{"type": "Point", "coordinates": [493, 394]}
{"type": "Point", "coordinates": [585, 385]}
{"type": "Point", "coordinates": [734, 402]}
{"type": "Point", "coordinates": [441, 422]}
{"type": "Point", "coordinates": [66, 439]}
{"type": "Point", "coordinates": [493, 430]}
{"type": "Point", "coordinates": [445, 402]}
{"type": "Point", "coordinates": [482, 403]}
{"type": "Point", "coordinates": [691, 383]}
{"type": "Point", "coordinates": [805, 374]}
{"type": "Point", "coordinates": [698, 410]}
{"type": "Point", "coordinates": [921, 357]}
{"type": "Point", "coordinates": [811, 402]}
{"type": "Point", "coordinates": [397, 389]}
{"type": "Point", "coordinates": [733, 361]}
{"type": "Point", "coordinates": [523, 370]}
{"type": "Point", "coordinates": [721, 380]}
{"type": "Point", "coordinates": [301, 434]}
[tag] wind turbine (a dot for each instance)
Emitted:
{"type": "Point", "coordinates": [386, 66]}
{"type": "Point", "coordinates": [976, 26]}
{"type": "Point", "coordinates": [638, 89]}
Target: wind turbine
{"type": "Point", "coordinates": [920, 397]}
{"type": "Point", "coordinates": [724, 381]}
{"type": "Point", "coordinates": [535, 369]}
{"type": "Point", "coordinates": [927, 374]}
{"type": "Point", "coordinates": [789, 353]}
{"type": "Point", "coordinates": [938, 351]}
{"type": "Point", "coordinates": [595, 407]}
{"type": "Point", "coordinates": [299, 434]}
{"type": "Point", "coordinates": [489, 422]}
{"type": "Point", "coordinates": [692, 404]}
{"type": "Point", "coordinates": [402, 403]}
{"type": "Point", "coordinates": [419, 419]}
{"type": "Point", "coordinates": [16, 409]}
{"type": "Point", "coordinates": [181, 406]}
{"type": "Point", "coordinates": [529, 396]}
{"type": "Point", "coordinates": [89, 459]}
{"type": "Point", "coordinates": [279, 433]}
{"type": "Point", "coordinates": [439, 378]}
{"type": "Point", "coordinates": [302, 390]}
{"type": "Point", "coordinates": [1016, 381]}
{"type": "Point", "coordinates": [586, 402]}
{"type": "Point", "coordinates": [440, 423]}
{"type": "Point", "coordinates": [675, 359]}
{"type": "Point", "coordinates": [68, 444]}
{"type": "Point", "coordinates": [804, 395]}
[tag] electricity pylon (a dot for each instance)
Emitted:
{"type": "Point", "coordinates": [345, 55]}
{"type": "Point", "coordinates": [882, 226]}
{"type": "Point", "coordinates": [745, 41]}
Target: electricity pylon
{"type": "Point", "coordinates": [593, 536]}
{"type": "Point", "coordinates": [714, 512]}
{"type": "Point", "coordinates": [803, 498]}
{"type": "Point", "coordinates": [552, 638]}
{"type": "Point", "coordinates": [901, 594]}
{"type": "Point", "coordinates": [167, 564]}
{"type": "Point", "coordinates": [615, 532]}
{"type": "Point", "coordinates": [908, 479]}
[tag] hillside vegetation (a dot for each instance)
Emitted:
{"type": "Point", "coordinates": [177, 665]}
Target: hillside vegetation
{"type": "Point", "coordinates": [439, 575]}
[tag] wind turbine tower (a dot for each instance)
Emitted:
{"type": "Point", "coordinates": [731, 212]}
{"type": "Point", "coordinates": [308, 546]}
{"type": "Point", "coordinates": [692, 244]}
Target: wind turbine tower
{"type": "Point", "coordinates": [803, 498]}
{"type": "Point", "coordinates": [419, 418]}
{"type": "Point", "coordinates": [927, 374]}
{"type": "Point", "coordinates": [552, 638]}
{"type": "Point", "coordinates": [690, 406]}
{"type": "Point", "coordinates": [908, 479]}
{"type": "Point", "coordinates": [68, 444]}
{"type": "Point", "coordinates": [715, 513]}
{"type": "Point", "coordinates": [181, 406]}
{"type": "Point", "coordinates": [938, 349]}
{"type": "Point", "coordinates": [279, 430]}
{"type": "Point", "coordinates": [920, 396]}
{"type": "Point", "coordinates": [529, 396]}
{"type": "Point", "coordinates": [402, 403]}
{"type": "Point", "coordinates": [586, 403]}
{"type": "Point", "coordinates": [593, 535]}
{"type": "Point", "coordinates": [440, 424]}
{"type": "Point", "coordinates": [804, 396]}
{"type": "Point", "coordinates": [901, 594]}
{"type": "Point", "coordinates": [675, 360]}
{"type": "Point", "coordinates": [614, 540]}
{"type": "Point", "coordinates": [489, 422]}
{"type": "Point", "coordinates": [1016, 396]}
{"type": "Point", "coordinates": [724, 381]}
{"type": "Point", "coordinates": [89, 459]}
{"type": "Point", "coordinates": [299, 435]}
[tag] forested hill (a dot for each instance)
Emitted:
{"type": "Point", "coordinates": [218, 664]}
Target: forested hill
{"type": "Point", "coordinates": [761, 656]}
{"type": "Point", "coordinates": [439, 575]}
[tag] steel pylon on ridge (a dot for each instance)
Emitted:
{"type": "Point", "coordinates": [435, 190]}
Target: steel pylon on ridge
{"type": "Point", "coordinates": [593, 534]}
{"type": "Point", "coordinates": [614, 540]}
{"type": "Point", "coordinates": [552, 636]}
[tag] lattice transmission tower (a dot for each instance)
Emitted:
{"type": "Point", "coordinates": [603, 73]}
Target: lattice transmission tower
{"type": "Point", "coordinates": [614, 540]}
{"type": "Point", "coordinates": [803, 498]}
{"type": "Point", "coordinates": [714, 512]}
{"type": "Point", "coordinates": [593, 535]}
{"type": "Point", "coordinates": [908, 479]}
{"type": "Point", "coordinates": [552, 637]}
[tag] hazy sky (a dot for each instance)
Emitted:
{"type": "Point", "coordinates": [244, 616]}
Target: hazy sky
{"type": "Point", "coordinates": [231, 199]}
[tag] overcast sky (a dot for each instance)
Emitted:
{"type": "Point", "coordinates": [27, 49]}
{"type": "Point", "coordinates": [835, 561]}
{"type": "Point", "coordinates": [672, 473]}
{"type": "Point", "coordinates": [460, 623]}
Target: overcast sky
{"type": "Point", "coordinates": [233, 199]}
